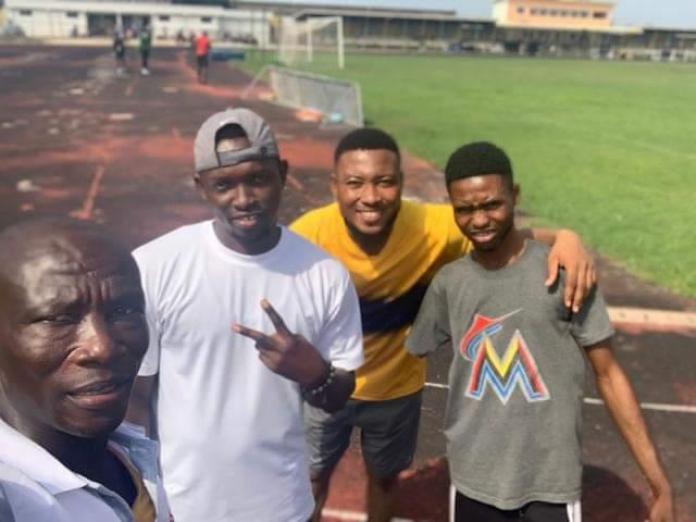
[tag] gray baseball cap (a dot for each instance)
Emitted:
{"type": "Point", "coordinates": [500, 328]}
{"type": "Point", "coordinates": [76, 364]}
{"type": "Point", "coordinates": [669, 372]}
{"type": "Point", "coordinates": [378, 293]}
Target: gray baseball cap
{"type": "Point", "coordinates": [263, 143]}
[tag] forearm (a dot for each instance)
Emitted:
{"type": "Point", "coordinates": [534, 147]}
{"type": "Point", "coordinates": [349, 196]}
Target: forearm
{"type": "Point", "coordinates": [621, 402]}
{"type": "Point", "coordinates": [547, 236]}
{"type": "Point", "coordinates": [334, 396]}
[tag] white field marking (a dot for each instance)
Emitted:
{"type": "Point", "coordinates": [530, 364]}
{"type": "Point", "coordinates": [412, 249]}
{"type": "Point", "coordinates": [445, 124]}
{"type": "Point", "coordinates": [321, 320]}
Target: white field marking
{"type": "Point", "coordinates": [88, 204]}
{"type": "Point", "coordinates": [653, 406]}
{"type": "Point", "coordinates": [294, 182]}
{"type": "Point", "coordinates": [437, 385]}
{"type": "Point", "coordinates": [648, 317]}
{"type": "Point", "coordinates": [341, 514]}
{"type": "Point", "coordinates": [121, 116]}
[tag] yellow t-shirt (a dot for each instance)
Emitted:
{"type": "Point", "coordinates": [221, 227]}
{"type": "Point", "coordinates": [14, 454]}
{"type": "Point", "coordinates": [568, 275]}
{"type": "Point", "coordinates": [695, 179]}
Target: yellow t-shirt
{"type": "Point", "coordinates": [390, 286]}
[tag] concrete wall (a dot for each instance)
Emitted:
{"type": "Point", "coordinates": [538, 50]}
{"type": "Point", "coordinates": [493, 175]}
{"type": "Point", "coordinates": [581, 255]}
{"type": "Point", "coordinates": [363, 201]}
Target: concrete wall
{"type": "Point", "coordinates": [47, 19]}
{"type": "Point", "coordinates": [38, 23]}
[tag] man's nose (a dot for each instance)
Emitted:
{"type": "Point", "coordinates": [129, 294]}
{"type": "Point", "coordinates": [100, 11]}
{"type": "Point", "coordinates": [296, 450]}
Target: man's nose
{"type": "Point", "coordinates": [369, 194]}
{"type": "Point", "coordinates": [244, 196]}
{"type": "Point", "coordinates": [96, 342]}
{"type": "Point", "coordinates": [480, 218]}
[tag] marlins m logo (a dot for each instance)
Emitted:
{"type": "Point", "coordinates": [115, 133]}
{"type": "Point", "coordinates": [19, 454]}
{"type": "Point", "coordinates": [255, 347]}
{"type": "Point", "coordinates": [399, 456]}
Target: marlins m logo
{"type": "Point", "coordinates": [516, 368]}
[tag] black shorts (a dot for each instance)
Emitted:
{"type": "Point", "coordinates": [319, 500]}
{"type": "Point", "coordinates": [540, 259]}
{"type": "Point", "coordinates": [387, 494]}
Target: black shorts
{"type": "Point", "coordinates": [468, 510]}
{"type": "Point", "coordinates": [388, 434]}
{"type": "Point", "coordinates": [202, 60]}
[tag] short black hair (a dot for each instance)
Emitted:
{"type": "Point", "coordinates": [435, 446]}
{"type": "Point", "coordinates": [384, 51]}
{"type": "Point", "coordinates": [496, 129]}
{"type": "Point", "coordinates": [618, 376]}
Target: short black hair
{"type": "Point", "coordinates": [366, 139]}
{"type": "Point", "coordinates": [478, 159]}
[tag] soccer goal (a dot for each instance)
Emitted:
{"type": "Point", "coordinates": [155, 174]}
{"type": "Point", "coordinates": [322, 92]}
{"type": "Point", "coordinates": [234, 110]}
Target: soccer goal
{"type": "Point", "coordinates": [302, 40]}
{"type": "Point", "coordinates": [339, 101]}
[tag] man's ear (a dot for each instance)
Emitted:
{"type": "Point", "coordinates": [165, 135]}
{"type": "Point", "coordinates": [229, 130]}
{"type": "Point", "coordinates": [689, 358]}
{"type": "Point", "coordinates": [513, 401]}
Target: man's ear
{"type": "Point", "coordinates": [284, 167]}
{"type": "Point", "coordinates": [334, 184]}
{"type": "Point", "coordinates": [401, 179]}
{"type": "Point", "coordinates": [515, 194]}
{"type": "Point", "coordinates": [199, 186]}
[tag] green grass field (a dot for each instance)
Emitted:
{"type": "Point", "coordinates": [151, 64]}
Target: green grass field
{"type": "Point", "coordinates": [605, 148]}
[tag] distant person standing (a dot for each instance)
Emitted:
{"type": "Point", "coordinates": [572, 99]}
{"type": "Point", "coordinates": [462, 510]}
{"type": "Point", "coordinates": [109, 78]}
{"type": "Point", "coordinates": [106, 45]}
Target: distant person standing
{"type": "Point", "coordinates": [119, 52]}
{"type": "Point", "coordinates": [145, 47]}
{"type": "Point", "coordinates": [202, 47]}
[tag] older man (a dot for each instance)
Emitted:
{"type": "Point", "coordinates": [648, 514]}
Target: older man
{"type": "Point", "coordinates": [72, 335]}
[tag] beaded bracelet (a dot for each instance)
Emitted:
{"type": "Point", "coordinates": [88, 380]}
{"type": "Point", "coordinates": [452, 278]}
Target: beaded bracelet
{"type": "Point", "coordinates": [321, 389]}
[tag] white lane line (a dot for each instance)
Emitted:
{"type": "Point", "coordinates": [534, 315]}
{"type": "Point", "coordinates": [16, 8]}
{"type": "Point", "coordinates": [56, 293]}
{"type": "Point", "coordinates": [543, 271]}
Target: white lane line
{"type": "Point", "coordinates": [437, 385]}
{"type": "Point", "coordinates": [653, 406]}
{"type": "Point", "coordinates": [88, 204]}
{"type": "Point", "coordinates": [648, 317]}
{"type": "Point", "coordinates": [341, 514]}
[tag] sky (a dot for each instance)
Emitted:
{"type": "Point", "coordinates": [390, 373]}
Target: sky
{"type": "Point", "coordinates": [650, 13]}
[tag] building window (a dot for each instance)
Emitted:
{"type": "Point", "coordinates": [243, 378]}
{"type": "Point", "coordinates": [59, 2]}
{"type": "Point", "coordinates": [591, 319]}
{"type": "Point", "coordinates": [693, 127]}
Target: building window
{"type": "Point", "coordinates": [163, 18]}
{"type": "Point", "coordinates": [71, 14]}
{"type": "Point", "coordinates": [599, 14]}
{"type": "Point", "coordinates": [25, 12]}
{"type": "Point", "coordinates": [564, 12]}
{"type": "Point", "coordinates": [553, 12]}
{"type": "Point", "coordinates": [534, 12]}
{"type": "Point", "coordinates": [207, 20]}
{"type": "Point", "coordinates": [543, 12]}
{"type": "Point", "coordinates": [520, 10]}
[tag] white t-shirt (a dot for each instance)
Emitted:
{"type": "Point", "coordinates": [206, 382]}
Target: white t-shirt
{"type": "Point", "coordinates": [231, 430]}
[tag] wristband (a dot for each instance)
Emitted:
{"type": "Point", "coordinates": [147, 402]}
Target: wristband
{"type": "Point", "coordinates": [320, 389]}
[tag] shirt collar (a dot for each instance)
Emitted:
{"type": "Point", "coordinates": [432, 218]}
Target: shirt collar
{"type": "Point", "coordinates": [34, 461]}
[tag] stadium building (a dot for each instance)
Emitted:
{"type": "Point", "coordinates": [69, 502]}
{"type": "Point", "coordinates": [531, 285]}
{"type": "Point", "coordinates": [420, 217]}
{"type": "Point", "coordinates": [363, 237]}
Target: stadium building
{"type": "Point", "coordinates": [553, 14]}
{"type": "Point", "coordinates": [570, 28]}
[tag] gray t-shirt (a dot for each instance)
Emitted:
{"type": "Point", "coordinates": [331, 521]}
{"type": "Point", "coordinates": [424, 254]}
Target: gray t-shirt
{"type": "Point", "coordinates": [516, 382]}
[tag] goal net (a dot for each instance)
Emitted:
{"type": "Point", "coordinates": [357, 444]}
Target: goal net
{"type": "Point", "coordinates": [313, 38]}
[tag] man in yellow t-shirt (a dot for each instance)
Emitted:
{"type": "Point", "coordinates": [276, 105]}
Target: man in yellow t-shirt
{"type": "Point", "coordinates": [392, 249]}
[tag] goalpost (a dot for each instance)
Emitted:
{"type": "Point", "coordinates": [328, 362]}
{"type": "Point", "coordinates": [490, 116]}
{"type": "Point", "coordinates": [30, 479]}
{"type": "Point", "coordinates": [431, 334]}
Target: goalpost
{"type": "Point", "coordinates": [299, 40]}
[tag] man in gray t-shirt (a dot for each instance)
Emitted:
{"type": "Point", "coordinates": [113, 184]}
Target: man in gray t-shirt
{"type": "Point", "coordinates": [513, 418]}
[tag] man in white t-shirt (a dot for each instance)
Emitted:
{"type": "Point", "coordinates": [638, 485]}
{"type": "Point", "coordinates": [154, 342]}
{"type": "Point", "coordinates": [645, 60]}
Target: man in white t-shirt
{"type": "Point", "coordinates": [246, 321]}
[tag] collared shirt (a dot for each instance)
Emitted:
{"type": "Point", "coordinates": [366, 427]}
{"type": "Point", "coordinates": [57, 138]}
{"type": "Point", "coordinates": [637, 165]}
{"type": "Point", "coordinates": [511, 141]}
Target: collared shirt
{"type": "Point", "coordinates": [36, 487]}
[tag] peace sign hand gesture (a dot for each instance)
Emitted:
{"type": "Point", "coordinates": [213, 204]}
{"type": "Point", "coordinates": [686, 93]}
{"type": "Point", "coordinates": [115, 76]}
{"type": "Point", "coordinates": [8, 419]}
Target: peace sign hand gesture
{"type": "Point", "coordinates": [286, 353]}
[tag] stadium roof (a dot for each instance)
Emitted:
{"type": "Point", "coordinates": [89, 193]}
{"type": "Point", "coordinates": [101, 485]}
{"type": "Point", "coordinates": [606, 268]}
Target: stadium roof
{"type": "Point", "coordinates": [385, 15]}
{"type": "Point", "coordinates": [334, 8]}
